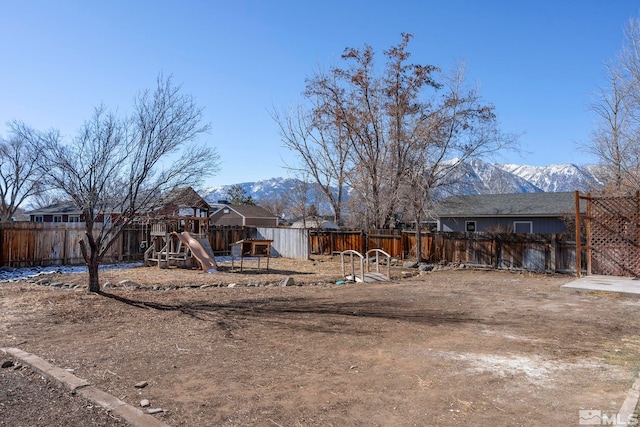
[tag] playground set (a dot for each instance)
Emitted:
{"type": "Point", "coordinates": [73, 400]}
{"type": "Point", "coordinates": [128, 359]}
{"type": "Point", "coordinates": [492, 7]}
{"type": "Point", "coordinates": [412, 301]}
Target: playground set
{"type": "Point", "coordinates": [178, 234]}
{"type": "Point", "coordinates": [171, 244]}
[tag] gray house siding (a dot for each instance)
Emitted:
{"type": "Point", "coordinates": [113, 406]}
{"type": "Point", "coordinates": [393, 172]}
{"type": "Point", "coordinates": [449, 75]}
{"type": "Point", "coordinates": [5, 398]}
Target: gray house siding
{"type": "Point", "coordinates": [537, 213]}
{"type": "Point", "coordinates": [538, 225]}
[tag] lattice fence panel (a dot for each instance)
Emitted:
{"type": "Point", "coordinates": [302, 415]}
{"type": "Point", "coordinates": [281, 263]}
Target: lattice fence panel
{"type": "Point", "coordinates": [615, 236]}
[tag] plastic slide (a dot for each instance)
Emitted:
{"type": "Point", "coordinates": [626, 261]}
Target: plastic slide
{"type": "Point", "coordinates": [206, 260]}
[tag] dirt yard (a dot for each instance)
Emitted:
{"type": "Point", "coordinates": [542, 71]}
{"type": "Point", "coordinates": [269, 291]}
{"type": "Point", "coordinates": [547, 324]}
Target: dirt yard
{"type": "Point", "coordinates": [449, 347]}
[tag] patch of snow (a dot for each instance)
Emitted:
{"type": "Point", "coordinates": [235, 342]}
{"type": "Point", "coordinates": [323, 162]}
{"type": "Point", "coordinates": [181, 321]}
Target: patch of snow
{"type": "Point", "coordinates": [10, 274]}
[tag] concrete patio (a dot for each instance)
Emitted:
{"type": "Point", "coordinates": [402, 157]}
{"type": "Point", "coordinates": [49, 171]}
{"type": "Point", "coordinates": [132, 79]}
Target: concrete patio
{"type": "Point", "coordinates": [624, 285]}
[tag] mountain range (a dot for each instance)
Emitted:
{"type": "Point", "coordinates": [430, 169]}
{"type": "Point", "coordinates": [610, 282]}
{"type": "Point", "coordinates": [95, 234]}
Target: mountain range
{"type": "Point", "coordinates": [474, 177]}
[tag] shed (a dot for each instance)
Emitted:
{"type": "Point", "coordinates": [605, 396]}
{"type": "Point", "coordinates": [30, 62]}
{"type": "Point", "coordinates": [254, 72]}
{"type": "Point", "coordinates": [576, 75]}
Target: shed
{"type": "Point", "coordinates": [540, 213]}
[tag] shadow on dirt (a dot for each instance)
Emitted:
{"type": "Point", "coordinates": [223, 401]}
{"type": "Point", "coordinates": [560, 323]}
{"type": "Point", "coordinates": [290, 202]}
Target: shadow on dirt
{"type": "Point", "coordinates": [296, 312]}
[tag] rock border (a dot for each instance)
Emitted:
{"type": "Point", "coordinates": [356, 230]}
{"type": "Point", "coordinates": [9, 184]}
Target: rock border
{"type": "Point", "coordinates": [74, 384]}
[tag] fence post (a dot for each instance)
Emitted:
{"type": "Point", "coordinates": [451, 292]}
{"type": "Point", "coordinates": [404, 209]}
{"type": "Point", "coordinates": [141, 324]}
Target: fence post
{"type": "Point", "coordinates": [364, 242]}
{"type": "Point", "coordinates": [578, 240]}
{"type": "Point", "coordinates": [1, 244]}
{"type": "Point", "coordinates": [554, 238]}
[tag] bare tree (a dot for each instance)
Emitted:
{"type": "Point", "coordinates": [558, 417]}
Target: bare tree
{"type": "Point", "coordinates": [20, 175]}
{"type": "Point", "coordinates": [457, 127]}
{"type": "Point", "coordinates": [322, 149]}
{"type": "Point", "coordinates": [299, 202]}
{"type": "Point", "coordinates": [44, 199]}
{"type": "Point", "coordinates": [351, 101]}
{"type": "Point", "coordinates": [615, 139]}
{"type": "Point", "coordinates": [116, 169]}
{"type": "Point", "coordinates": [395, 135]}
{"type": "Point", "coordinates": [276, 203]}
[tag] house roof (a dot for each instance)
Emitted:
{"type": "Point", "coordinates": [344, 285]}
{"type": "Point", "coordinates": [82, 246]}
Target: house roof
{"type": "Point", "coordinates": [518, 204]}
{"type": "Point", "coordinates": [250, 211]}
{"type": "Point", "coordinates": [184, 196]}
{"type": "Point", "coordinates": [57, 208]}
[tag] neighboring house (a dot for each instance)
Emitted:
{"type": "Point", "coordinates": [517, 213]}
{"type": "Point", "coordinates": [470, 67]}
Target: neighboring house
{"type": "Point", "coordinates": [539, 213]}
{"type": "Point", "coordinates": [63, 212]}
{"type": "Point", "coordinates": [181, 202]}
{"type": "Point", "coordinates": [243, 215]}
{"type": "Point", "coordinates": [57, 212]}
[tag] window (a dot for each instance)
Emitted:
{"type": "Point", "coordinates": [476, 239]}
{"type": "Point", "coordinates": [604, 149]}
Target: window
{"type": "Point", "coordinates": [107, 219]}
{"type": "Point", "coordinates": [470, 226]}
{"type": "Point", "coordinates": [74, 218]}
{"type": "Point", "coordinates": [57, 218]}
{"type": "Point", "coordinates": [522, 227]}
{"type": "Point", "coordinates": [38, 218]}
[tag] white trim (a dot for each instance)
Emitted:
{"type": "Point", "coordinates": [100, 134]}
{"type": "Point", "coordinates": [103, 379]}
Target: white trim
{"type": "Point", "coordinates": [516, 223]}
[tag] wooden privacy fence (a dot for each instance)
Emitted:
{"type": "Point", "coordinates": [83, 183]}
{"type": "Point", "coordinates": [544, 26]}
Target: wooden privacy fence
{"type": "Point", "coordinates": [30, 244]}
{"type": "Point", "coordinates": [537, 252]}
{"type": "Point", "coordinates": [26, 244]}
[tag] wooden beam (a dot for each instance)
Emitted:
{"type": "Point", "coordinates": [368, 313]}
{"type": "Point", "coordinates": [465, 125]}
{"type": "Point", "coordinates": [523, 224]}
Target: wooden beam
{"type": "Point", "coordinates": [578, 240]}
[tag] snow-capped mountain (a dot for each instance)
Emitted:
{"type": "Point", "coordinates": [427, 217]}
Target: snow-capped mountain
{"type": "Point", "coordinates": [474, 177]}
{"type": "Point", "coordinates": [556, 178]}
{"type": "Point", "coordinates": [478, 177]}
{"type": "Point", "coordinates": [272, 189]}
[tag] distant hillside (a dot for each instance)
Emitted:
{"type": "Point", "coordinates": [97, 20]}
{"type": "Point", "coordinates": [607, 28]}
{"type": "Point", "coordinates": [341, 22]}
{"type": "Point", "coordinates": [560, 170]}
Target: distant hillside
{"type": "Point", "coordinates": [475, 177]}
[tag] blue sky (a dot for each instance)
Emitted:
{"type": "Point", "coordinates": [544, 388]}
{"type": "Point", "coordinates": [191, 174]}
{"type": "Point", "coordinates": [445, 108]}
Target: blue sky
{"type": "Point", "coordinates": [538, 62]}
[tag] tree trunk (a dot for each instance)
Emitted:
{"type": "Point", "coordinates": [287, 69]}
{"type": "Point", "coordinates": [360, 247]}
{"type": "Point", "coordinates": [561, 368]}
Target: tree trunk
{"type": "Point", "coordinates": [418, 239]}
{"type": "Point", "coordinates": [91, 258]}
{"type": "Point", "coordinates": [94, 282]}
